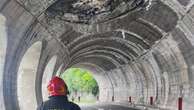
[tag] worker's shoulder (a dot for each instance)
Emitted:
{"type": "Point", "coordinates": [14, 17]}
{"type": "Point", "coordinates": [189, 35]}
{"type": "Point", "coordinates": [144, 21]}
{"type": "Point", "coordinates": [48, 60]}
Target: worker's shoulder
{"type": "Point", "coordinates": [75, 106]}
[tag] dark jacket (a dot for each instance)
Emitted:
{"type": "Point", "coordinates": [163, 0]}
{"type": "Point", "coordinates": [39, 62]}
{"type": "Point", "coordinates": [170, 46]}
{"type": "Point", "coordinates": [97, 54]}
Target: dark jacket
{"type": "Point", "coordinates": [58, 103]}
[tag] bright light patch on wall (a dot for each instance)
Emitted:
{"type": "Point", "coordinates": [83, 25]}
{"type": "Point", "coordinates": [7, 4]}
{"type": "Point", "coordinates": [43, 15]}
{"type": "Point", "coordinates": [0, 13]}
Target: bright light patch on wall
{"type": "Point", "coordinates": [3, 37]}
{"type": "Point", "coordinates": [3, 46]}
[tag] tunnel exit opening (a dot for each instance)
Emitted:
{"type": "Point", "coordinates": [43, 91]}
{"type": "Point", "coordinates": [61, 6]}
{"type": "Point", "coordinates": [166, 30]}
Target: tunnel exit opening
{"type": "Point", "coordinates": [82, 86]}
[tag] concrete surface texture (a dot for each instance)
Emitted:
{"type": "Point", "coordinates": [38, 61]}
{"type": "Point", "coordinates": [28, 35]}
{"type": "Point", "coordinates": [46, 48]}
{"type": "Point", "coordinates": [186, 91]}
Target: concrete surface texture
{"type": "Point", "coordinates": [135, 48]}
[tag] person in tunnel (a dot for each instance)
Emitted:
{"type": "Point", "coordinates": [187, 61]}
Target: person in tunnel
{"type": "Point", "coordinates": [58, 99]}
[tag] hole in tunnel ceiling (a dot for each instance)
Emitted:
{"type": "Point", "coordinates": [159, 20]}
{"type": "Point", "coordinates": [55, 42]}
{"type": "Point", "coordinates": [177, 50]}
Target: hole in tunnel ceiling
{"type": "Point", "coordinates": [92, 11]}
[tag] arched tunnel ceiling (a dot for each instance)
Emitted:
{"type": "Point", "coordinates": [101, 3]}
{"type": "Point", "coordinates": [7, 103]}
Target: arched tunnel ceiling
{"type": "Point", "coordinates": [120, 30]}
{"type": "Point", "coordinates": [95, 11]}
{"type": "Point", "coordinates": [132, 39]}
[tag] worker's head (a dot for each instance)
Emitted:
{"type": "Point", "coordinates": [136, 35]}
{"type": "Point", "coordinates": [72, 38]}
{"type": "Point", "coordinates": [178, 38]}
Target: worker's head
{"type": "Point", "coordinates": [57, 87]}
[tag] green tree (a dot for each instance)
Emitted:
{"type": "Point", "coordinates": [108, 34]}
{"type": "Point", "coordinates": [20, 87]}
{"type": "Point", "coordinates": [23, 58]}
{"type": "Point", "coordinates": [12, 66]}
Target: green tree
{"type": "Point", "coordinates": [80, 80]}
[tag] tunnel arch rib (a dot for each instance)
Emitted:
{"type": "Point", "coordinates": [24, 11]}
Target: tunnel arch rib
{"type": "Point", "coordinates": [47, 75]}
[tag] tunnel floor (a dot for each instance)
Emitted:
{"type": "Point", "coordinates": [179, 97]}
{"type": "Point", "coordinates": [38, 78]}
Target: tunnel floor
{"type": "Point", "coordinates": [106, 107]}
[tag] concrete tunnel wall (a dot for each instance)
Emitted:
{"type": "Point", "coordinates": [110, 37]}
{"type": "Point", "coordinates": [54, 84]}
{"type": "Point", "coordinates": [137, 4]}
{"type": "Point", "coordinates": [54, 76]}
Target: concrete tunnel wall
{"type": "Point", "coordinates": [3, 46]}
{"type": "Point", "coordinates": [140, 54]}
{"type": "Point", "coordinates": [26, 77]}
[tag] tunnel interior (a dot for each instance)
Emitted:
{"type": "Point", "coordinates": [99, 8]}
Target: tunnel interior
{"type": "Point", "coordinates": [135, 48]}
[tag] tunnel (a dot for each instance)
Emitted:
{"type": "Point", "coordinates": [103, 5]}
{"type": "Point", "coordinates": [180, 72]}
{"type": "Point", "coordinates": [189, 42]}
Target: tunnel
{"type": "Point", "coordinates": [134, 48]}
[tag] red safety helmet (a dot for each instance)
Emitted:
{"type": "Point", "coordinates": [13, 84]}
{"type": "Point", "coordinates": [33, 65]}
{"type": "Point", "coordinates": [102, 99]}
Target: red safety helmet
{"type": "Point", "coordinates": [57, 87]}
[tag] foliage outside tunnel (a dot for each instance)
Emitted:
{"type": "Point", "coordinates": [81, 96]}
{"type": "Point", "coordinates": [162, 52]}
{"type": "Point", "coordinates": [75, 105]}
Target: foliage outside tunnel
{"type": "Point", "coordinates": [80, 82]}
